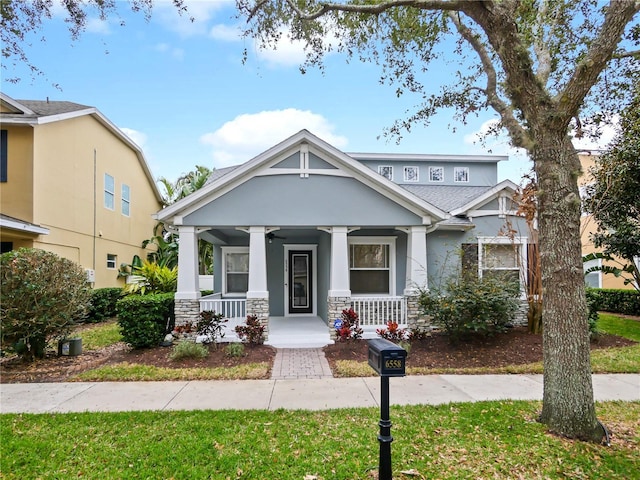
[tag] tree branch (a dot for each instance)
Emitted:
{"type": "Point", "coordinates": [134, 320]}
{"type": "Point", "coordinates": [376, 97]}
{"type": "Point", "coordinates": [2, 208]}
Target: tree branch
{"type": "Point", "coordinates": [517, 133]}
{"type": "Point", "coordinates": [539, 46]}
{"type": "Point", "coordinates": [617, 16]}
{"type": "Point", "coordinates": [633, 53]}
{"type": "Point", "coordinates": [373, 9]}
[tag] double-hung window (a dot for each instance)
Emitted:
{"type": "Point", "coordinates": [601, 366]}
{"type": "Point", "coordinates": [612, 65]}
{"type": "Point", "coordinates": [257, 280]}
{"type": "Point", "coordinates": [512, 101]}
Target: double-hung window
{"type": "Point", "coordinates": [126, 200]}
{"type": "Point", "coordinates": [503, 258]}
{"type": "Point", "coordinates": [109, 191]}
{"type": "Point", "coordinates": [372, 265]}
{"type": "Point", "coordinates": [235, 270]}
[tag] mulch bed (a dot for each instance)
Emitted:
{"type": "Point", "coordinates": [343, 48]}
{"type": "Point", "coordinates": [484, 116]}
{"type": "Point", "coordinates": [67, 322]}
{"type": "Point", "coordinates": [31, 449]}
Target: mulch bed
{"type": "Point", "coordinates": [513, 348]}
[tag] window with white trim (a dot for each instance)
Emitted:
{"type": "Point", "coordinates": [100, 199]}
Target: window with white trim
{"type": "Point", "coordinates": [386, 171]}
{"type": "Point", "coordinates": [112, 261]}
{"type": "Point", "coordinates": [411, 174]}
{"type": "Point", "coordinates": [235, 271]}
{"type": "Point", "coordinates": [593, 278]}
{"type": "Point", "coordinates": [503, 258]}
{"type": "Point", "coordinates": [109, 191]}
{"type": "Point", "coordinates": [436, 174]}
{"type": "Point", "coordinates": [461, 174]}
{"type": "Point", "coordinates": [372, 265]}
{"type": "Point", "coordinates": [125, 203]}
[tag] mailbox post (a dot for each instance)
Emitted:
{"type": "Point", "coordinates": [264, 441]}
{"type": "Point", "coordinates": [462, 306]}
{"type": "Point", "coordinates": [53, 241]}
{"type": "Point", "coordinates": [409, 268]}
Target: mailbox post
{"type": "Point", "coordinates": [388, 360]}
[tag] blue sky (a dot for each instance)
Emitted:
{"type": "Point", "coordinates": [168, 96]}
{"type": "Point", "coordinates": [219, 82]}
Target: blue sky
{"type": "Point", "coordinates": [180, 90]}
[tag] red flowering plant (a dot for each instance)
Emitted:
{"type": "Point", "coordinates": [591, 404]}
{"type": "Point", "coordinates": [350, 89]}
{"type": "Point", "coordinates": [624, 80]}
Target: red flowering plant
{"type": "Point", "coordinates": [348, 327]}
{"type": "Point", "coordinates": [393, 332]}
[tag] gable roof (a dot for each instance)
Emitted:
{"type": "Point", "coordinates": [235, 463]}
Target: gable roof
{"type": "Point", "coordinates": [40, 112]}
{"type": "Point", "coordinates": [232, 177]}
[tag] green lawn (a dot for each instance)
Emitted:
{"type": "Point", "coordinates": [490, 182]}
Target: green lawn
{"type": "Point", "coordinates": [496, 440]}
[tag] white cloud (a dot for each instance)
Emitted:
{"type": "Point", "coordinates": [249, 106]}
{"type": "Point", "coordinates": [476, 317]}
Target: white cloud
{"type": "Point", "coordinates": [201, 11]}
{"type": "Point", "coordinates": [226, 33]}
{"type": "Point", "coordinates": [597, 138]}
{"type": "Point", "coordinates": [139, 138]}
{"type": "Point", "coordinates": [248, 135]}
{"type": "Point", "coordinates": [95, 25]}
{"type": "Point", "coordinates": [176, 53]}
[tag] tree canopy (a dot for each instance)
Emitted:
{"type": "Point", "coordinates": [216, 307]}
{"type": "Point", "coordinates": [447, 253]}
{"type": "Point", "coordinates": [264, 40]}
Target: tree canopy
{"type": "Point", "coordinates": [545, 68]}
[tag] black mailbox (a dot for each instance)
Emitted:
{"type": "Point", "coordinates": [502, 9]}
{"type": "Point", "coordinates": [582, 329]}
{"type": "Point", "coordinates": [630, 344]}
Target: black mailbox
{"type": "Point", "coordinates": [387, 358]}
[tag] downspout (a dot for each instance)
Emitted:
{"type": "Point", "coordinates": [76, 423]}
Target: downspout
{"type": "Point", "coordinates": [95, 220]}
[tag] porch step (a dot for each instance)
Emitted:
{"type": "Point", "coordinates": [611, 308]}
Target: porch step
{"type": "Point", "coordinates": [298, 341]}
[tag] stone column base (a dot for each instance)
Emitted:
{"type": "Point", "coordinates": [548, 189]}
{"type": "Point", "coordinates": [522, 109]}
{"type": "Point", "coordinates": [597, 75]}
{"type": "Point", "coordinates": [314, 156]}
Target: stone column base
{"type": "Point", "coordinates": [335, 306]}
{"type": "Point", "coordinates": [260, 308]}
{"type": "Point", "coordinates": [187, 310]}
{"type": "Point", "coordinates": [416, 321]}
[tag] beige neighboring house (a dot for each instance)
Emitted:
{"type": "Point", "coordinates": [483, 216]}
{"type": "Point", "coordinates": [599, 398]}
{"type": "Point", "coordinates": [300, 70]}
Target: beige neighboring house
{"type": "Point", "coordinates": [588, 226]}
{"type": "Point", "coordinates": [74, 184]}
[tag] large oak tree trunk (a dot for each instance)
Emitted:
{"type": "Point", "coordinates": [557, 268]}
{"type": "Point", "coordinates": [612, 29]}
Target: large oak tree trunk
{"type": "Point", "coordinates": [568, 405]}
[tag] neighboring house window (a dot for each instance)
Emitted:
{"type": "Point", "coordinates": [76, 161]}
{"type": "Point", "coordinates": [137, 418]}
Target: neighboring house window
{"type": "Point", "coordinates": [386, 171]}
{"type": "Point", "coordinates": [436, 174]}
{"type": "Point", "coordinates": [3, 155]}
{"type": "Point", "coordinates": [112, 260]}
{"type": "Point", "coordinates": [126, 199]}
{"type": "Point", "coordinates": [6, 247]}
{"type": "Point", "coordinates": [410, 174]}
{"type": "Point", "coordinates": [109, 192]}
{"type": "Point", "coordinates": [235, 268]}
{"type": "Point", "coordinates": [372, 265]}
{"type": "Point", "coordinates": [461, 174]}
{"type": "Point", "coordinates": [593, 279]}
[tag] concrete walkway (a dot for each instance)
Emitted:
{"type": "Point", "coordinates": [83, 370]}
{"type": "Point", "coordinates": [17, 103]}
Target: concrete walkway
{"type": "Point", "coordinates": [307, 394]}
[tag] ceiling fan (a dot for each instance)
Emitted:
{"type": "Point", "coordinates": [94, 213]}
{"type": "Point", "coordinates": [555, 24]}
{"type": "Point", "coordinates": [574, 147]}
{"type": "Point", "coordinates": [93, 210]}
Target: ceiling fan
{"type": "Point", "coordinates": [270, 236]}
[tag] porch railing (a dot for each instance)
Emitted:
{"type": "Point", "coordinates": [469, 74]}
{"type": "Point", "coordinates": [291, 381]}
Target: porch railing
{"type": "Point", "coordinates": [377, 311]}
{"type": "Point", "coordinates": [229, 307]}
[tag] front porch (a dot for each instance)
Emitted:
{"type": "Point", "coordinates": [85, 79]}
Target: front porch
{"type": "Point", "coordinates": [309, 331]}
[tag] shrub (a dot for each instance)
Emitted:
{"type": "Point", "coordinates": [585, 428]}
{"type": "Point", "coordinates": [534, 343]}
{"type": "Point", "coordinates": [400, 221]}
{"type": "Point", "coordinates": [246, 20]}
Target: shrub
{"type": "Point", "coordinates": [153, 278]}
{"type": "Point", "coordinates": [348, 326]}
{"type": "Point", "coordinates": [188, 349]}
{"type": "Point", "coordinates": [210, 324]}
{"type": "Point", "coordinates": [612, 300]}
{"type": "Point", "coordinates": [144, 319]}
{"type": "Point", "coordinates": [41, 297]}
{"type": "Point", "coordinates": [251, 333]}
{"type": "Point", "coordinates": [470, 306]}
{"type": "Point", "coordinates": [235, 350]}
{"type": "Point", "coordinates": [392, 332]}
{"type": "Point", "coordinates": [103, 303]}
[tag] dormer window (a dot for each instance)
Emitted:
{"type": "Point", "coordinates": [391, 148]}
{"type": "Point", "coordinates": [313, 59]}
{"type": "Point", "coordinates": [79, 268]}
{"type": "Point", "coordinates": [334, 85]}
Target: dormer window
{"type": "Point", "coordinates": [461, 174]}
{"type": "Point", "coordinates": [386, 171]}
{"type": "Point", "coordinates": [436, 174]}
{"type": "Point", "coordinates": [411, 174]}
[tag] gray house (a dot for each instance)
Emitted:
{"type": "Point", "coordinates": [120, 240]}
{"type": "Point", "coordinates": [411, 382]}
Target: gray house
{"type": "Point", "coordinates": [304, 230]}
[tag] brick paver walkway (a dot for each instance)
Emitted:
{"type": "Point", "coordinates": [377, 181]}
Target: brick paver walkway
{"type": "Point", "coordinates": [292, 363]}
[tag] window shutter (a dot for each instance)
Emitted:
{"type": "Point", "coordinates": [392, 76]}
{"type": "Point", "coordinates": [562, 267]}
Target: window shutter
{"type": "Point", "coordinates": [470, 259]}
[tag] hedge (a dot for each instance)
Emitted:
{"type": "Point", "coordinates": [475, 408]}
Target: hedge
{"type": "Point", "coordinates": [103, 303]}
{"type": "Point", "coordinates": [626, 302]}
{"type": "Point", "coordinates": [145, 319]}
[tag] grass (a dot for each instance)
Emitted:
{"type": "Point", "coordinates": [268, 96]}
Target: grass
{"type": "Point", "coordinates": [497, 440]}
{"type": "Point", "coordinates": [130, 372]}
{"type": "Point", "coordinates": [99, 336]}
{"type": "Point", "coordinates": [609, 360]}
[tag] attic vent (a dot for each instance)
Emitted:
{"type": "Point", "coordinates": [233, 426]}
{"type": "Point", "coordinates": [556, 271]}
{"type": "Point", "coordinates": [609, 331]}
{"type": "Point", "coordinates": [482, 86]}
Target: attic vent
{"type": "Point", "coordinates": [304, 160]}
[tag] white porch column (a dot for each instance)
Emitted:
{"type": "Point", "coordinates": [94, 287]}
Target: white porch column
{"type": "Point", "coordinates": [257, 264]}
{"type": "Point", "coordinates": [416, 260]}
{"type": "Point", "coordinates": [188, 288]}
{"type": "Point", "coordinates": [339, 286]}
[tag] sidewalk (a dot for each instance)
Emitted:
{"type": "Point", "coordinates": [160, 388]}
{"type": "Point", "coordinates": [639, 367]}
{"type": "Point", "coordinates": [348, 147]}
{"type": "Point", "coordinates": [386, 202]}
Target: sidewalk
{"type": "Point", "coordinates": [308, 394]}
